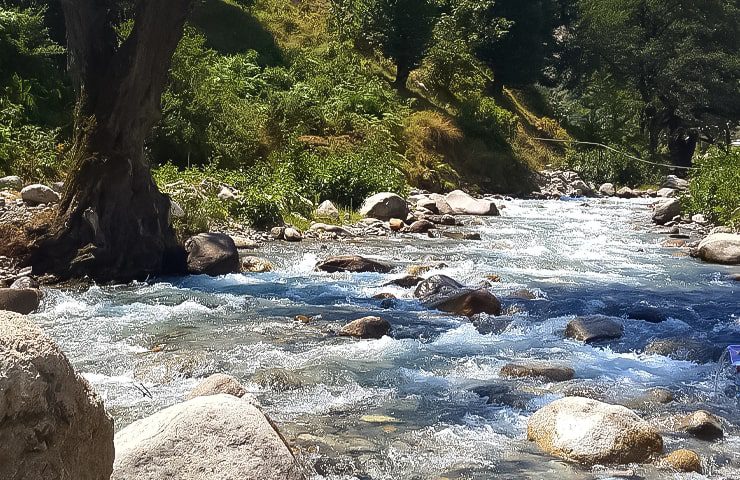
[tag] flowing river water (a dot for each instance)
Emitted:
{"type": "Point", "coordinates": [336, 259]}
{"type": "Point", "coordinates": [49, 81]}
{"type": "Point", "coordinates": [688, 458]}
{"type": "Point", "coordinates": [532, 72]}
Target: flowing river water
{"type": "Point", "coordinates": [429, 402]}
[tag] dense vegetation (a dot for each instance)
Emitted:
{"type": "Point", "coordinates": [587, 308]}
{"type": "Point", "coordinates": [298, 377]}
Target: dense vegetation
{"type": "Point", "coordinates": [290, 103]}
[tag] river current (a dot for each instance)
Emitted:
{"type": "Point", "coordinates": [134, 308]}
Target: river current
{"type": "Point", "coordinates": [414, 406]}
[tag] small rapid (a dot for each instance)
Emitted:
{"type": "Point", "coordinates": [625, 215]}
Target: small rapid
{"type": "Point", "coordinates": [416, 406]}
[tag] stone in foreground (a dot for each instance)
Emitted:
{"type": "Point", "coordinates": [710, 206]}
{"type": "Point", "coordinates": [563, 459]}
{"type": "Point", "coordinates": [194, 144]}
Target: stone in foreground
{"type": "Point", "coordinates": [385, 206]}
{"type": "Point", "coordinates": [37, 194]}
{"type": "Point", "coordinates": [19, 300]}
{"type": "Point", "coordinates": [702, 424]}
{"type": "Point", "coordinates": [666, 210]}
{"type": "Point", "coordinates": [368, 327]}
{"type": "Point", "coordinates": [211, 437]}
{"type": "Point", "coordinates": [461, 203]}
{"type": "Point", "coordinates": [591, 432]}
{"type": "Point", "coordinates": [216, 384]}
{"type": "Point", "coordinates": [555, 373]}
{"type": "Point", "coordinates": [353, 264]}
{"type": "Point", "coordinates": [52, 423]}
{"type": "Point", "coordinates": [212, 254]}
{"type": "Point", "coordinates": [594, 328]}
{"type": "Point", "coordinates": [720, 248]}
{"type": "Point", "coordinates": [683, 461]}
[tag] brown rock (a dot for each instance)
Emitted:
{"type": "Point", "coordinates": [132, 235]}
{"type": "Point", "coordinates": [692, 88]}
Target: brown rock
{"type": "Point", "coordinates": [420, 226]}
{"type": "Point", "coordinates": [702, 424]}
{"type": "Point", "coordinates": [212, 254]}
{"type": "Point", "coordinates": [594, 328]}
{"type": "Point", "coordinates": [216, 384]}
{"type": "Point", "coordinates": [256, 265]}
{"type": "Point", "coordinates": [550, 372]}
{"type": "Point", "coordinates": [367, 327]}
{"type": "Point", "coordinates": [683, 460]}
{"type": "Point", "coordinates": [302, 319]}
{"type": "Point", "coordinates": [407, 281]}
{"type": "Point", "coordinates": [396, 224]}
{"type": "Point", "coordinates": [19, 300]}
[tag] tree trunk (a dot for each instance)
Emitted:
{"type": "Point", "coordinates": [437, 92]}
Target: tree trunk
{"type": "Point", "coordinates": [113, 223]}
{"type": "Point", "coordinates": [681, 146]}
{"type": "Point", "coordinates": [403, 72]}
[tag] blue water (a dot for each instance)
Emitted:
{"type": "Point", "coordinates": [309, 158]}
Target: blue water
{"type": "Point", "coordinates": [602, 257]}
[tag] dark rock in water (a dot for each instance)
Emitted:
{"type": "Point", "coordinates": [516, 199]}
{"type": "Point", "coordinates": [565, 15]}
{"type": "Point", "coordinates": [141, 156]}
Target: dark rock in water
{"type": "Point", "coordinates": [684, 349]}
{"type": "Point", "coordinates": [462, 235]}
{"type": "Point", "coordinates": [554, 373]}
{"type": "Point", "coordinates": [647, 313]}
{"type": "Point", "coordinates": [666, 210]}
{"type": "Point", "coordinates": [443, 293]}
{"type": "Point", "coordinates": [419, 226]}
{"type": "Point", "coordinates": [368, 327]}
{"type": "Point", "coordinates": [406, 282]}
{"type": "Point", "coordinates": [500, 394]}
{"type": "Point", "coordinates": [354, 264]}
{"type": "Point", "coordinates": [523, 294]}
{"type": "Point", "coordinates": [448, 220]}
{"type": "Point", "coordinates": [491, 325]}
{"type": "Point", "coordinates": [277, 379]}
{"type": "Point", "coordinates": [388, 300]}
{"type": "Point", "coordinates": [212, 254]}
{"type": "Point", "coordinates": [594, 328]}
{"type": "Point", "coordinates": [23, 301]}
{"type": "Point", "coordinates": [702, 424]}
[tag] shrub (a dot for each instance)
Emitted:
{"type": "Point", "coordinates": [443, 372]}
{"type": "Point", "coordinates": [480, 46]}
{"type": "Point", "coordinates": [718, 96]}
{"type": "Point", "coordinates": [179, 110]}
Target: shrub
{"type": "Point", "coordinates": [598, 165]}
{"type": "Point", "coordinates": [714, 186]}
{"type": "Point", "coordinates": [479, 115]}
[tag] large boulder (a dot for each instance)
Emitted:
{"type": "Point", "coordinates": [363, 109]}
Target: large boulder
{"type": "Point", "coordinates": [607, 189]}
{"type": "Point", "coordinates": [385, 206]}
{"type": "Point", "coordinates": [327, 210]}
{"type": "Point", "coordinates": [672, 181]}
{"type": "Point", "coordinates": [11, 183]}
{"type": "Point", "coordinates": [353, 264]}
{"type": "Point", "coordinates": [367, 327]}
{"type": "Point", "coordinates": [52, 423]}
{"type": "Point", "coordinates": [212, 254]}
{"type": "Point", "coordinates": [591, 432]}
{"type": "Point", "coordinates": [207, 437]}
{"type": "Point", "coordinates": [702, 424]}
{"type": "Point", "coordinates": [664, 211]}
{"type": "Point", "coordinates": [443, 293]}
{"type": "Point", "coordinates": [461, 203]}
{"type": "Point", "coordinates": [19, 300]}
{"type": "Point", "coordinates": [626, 192]}
{"type": "Point", "coordinates": [720, 248]}
{"type": "Point", "coordinates": [37, 194]}
{"type": "Point", "coordinates": [594, 328]}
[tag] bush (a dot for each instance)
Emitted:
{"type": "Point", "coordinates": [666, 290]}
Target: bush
{"type": "Point", "coordinates": [480, 116]}
{"type": "Point", "coordinates": [599, 166]}
{"type": "Point", "coordinates": [715, 186]}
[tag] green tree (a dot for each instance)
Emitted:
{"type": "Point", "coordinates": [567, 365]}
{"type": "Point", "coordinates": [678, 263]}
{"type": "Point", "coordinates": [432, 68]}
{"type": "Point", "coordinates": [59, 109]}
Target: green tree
{"type": "Point", "coordinates": [402, 30]}
{"type": "Point", "coordinates": [680, 56]}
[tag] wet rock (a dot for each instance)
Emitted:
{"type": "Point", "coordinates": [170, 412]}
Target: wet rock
{"type": "Point", "coordinates": [666, 193]}
{"type": "Point", "coordinates": [681, 348]}
{"type": "Point", "coordinates": [23, 301]}
{"type": "Point", "coordinates": [52, 423]}
{"type": "Point", "coordinates": [407, 281]}
{"type": "Point", "coordinates": [425, 268]}
{"type": "Point", "coordinates": [354, 264]}
{"type": "Point", "coordinates": [244, 243]}
{"type": "Point", "coordinates": [277, 379]}
{"type": "Point", "coordinates": [462, 235]}
{"type": "Point", "coordinates": [500, 394]}
{"type": "Point", "coordinates": [25, 283]}
{"type": "Point", "coordinates": [720, 248]}
{"type": "Point", "coordinates": [491, 325]}
{"type": "Point", "coordinates": [327, 210]}
{"type": "Point", "coordinates": [553, 373]}
{"type": "Point", "coordinates": [216, 436]}
{"type": "Point", "coordinates": [594, 328]}
{"type": "Point", "coordinates": [626, 192]}
{"type": "Point", "coordinates": [11, 183]}
{"type": "Point", "coordinates": [367, 327]}
{"type": "Point", "coordinates": [420, 226]}
{"type": "Point", "coordinates": [607, 189]}
{"type": "Point", "coordinates": [278, 233]}
{"type": "Point", "coordinates": [396, 224]}
{"type": "Point", "coordinates": [212, 254]}
{"type": "Point", "coordinates": [674, 243]}
{"type": "Point", "coordinates": [683, 461]}
{"type": "Point", "coordinates": [523, 294]}
{"type": "Point", "coordinates": [442, 293]}
{"type": "Point", "coordinates": [216, 384]}
{"type": "Point", "coordinates": [591, 432]}
{"type": "Point", "coordinates": [461, 203]}
{"type": "Point", "coordinates": [701, 424]}
{"type": "Point", "coordinates": [292, 235]}
{"type": "Point", "coordinates": [384, 206]}
{"type": "Point", "coordinates": [256, 265]}
{"type": "Point", "coordinates": [648, 399]}
{"type": "Point", "coordinates": [647, 314]}
{"type": "Point", "coordinates": [672, 181]}
{"type": "Point", "coordinates": [37, 194]}
{"type": "Point", "coordinates": [666, 210]}
{"type": "Point", "coordinates": [447, 220]}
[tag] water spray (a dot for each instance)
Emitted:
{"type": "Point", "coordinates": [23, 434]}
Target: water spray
{"type": "Point", "coordinates": [732, 356]}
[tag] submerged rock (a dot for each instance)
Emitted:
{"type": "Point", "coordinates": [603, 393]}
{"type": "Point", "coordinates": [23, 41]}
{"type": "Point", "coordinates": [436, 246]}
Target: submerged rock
{"type": "Point", "coordinates": [666, 210]}
{"type": "Point", "coordinates": [441, 292]}
{"type": "Point", "coordinates": [681, 348]}
{"type": "Point", "coordinates": [702, 424]}
{"type": "Point", "coordinates": [683, 460]}
{"type": "Point", "coordinates": [407, 281]}
{"type": "Point", "coordinates": [591, 432]}
{"type": "Point", "coordinates": [720, 248]}
{"type": "Point", "coordinates": [216, 384]}
{"type": "Point", "coordinates": [385, 206]}
{"type": "Point", "coordinates": [37, 194]}
{"type": "Point", "coordinates": [460, 203]}
{"type": "Point", "coordinates": [555, 373]}
{"type": "Point", "coordinates": [216, 436]}
{"type": "Point", "coordinates": [277, 379]}
{"type": "Point", "coordinates": [212, 254]}
{"type": "Point", "coordinates": [256, 265]}
{"type": "Point", "coordinates": [594, 328]}
{"type": "Point", "coordinates": [367, 327]}
{"type": "Point", "coordinates": [647, 314]}
{"type": "Point", "coordinates": [354, 264]}
{"type": "Point", "coordinates": [52, 423]}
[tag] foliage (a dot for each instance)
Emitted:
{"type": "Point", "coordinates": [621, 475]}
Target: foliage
{"type": "Point", "coordinates": [428, 137]}
{"type": "Point", "coordinates": [598, 165]}
{"type": "Point", "coordinates": [714, 186]}
{"type": "Point", "coordinates": [481, 116]}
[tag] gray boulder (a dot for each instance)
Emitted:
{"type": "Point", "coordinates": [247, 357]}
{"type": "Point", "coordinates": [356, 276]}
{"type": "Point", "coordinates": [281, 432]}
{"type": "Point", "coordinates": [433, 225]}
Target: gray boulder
{"type": "Point", "coordinates": [205, 438]}
{"type": "Point", "coordinates": [607, 190]}
{"type": "Point", "coordinates": [37, 194]}
{"type": "Point", "coordinates": [666, 210]}
{"type": "Point", "coordinates": [666, 193]}
{"type": "Point", "coordinates": [385, 206]}
{"type": "Point", "coordinates": [19, 300]}
{"type": "Point", "coordinates": [702, 424]}
{"type": "Point", "coordinates": [327, 210]}
{"type": "Point", "coordinates": [548, 371]}
{"type": "Point", "coordinates": [216, 384]}
{"type": "Point", "coordinates": [594, 328]}
{"type": "Point", "coordinates": [292, 235]}
{"type": "Point", "coordinates": [212, 254]}
{"type": "Point", "coordinates": [591, 432]}
{"type": "Point", "coordinates": [461, 203]}
{"type": "Point", "coordinates": [11, 183]}
{"type": "Point", "coordinates": [672, 181]}
{"type": "Point", "coordinates": [626, 192]}
{"type": "Point", "coordinates": [720, 248]}
{"type": "Point", "coordinates": [53, 425]}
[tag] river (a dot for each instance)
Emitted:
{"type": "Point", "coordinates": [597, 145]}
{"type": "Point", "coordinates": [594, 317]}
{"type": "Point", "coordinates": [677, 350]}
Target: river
{"type": "Point", "coordinates": [410, 406]}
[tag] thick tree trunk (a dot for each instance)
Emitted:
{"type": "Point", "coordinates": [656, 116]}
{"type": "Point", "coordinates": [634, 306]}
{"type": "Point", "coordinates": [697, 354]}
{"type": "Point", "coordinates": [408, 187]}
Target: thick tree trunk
{"type": "Point", "coordinates": [113, 223]}
{"type": "Point", "coordinates": [681, 146]}
{"type": "Point", "coordinates": [403, 72]}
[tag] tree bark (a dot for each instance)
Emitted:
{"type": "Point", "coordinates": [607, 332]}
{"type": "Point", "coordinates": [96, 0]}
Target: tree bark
{"type": "Point", "coordinates": [403, 72]}
{"type": "Point", "coordinates": [113, 224]}
{"type": "Point", "coordinates": [682, 146]}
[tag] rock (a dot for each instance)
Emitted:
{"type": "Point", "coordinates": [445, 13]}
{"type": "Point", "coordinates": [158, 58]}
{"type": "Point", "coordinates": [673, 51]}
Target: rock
{"type": "Point", "coordinates": [396, 224]}
{"type": "Point", "coordinates": [384, 206]}
{"type": "Point", "coordinates": [278, 233]}
{"type": "Point", "coordinates": [720, 229]}
{"type": "Point", "coordinates": [591, 432]}
{"type": "Point", "coordinates": [37, 194]}
{"type": "Point", "coordinates": [226, 194]}
{"type": "Point", "coordinates": [647, 314]}
{"type": "Point", "coordinates": [681, 348]}
{"type": "Point", "coordinates": [354, 264]}
{"type": "Point", "coordinates": [24, 283]}
{"type": "Point", "coordinates": [607, 189]}
{"type": "Point", "coordinates": [327, 210]}
{"type": "Point", "coordinates": [672, 181]}
{"type": "Point", "coordinates": [700, 219]}
{"type": "Point", "coordinates": [420, 226]}
{"type": "Point", "coordinates": [422, 269]}
{"type": "Point", "coordinates": [19, 300]}
{"type": "Point", "coordinates": [336, 229]}
{"type": "Point", "coordinates": [176, 210]}
{"type": "Point", "coordinates": [626, 192]}
{"type": "Point", "coordinates": [428, 204]}
{"type": "Point", "coordinates": [305, 319]}
{"type": "Point", "coordinates": [666, 193]}
{"type": "Point", "coordinates": [407, 281]}
{"type": "Point", "coordinates": [11, 183]}
{"type": "Point", "coordinates": [277, 379]}
{"type": "Point", "coordinates": [523, 294]}
{"type": "Point", "coordinates": [53, 425]}
{"type": "Point", "coordinates": [244, 243]}
{"type": "Point", "coordinates": [461, 203]}
{"type": "Point", "coordinates": [553, 373]}
{"type": "Point", "coordinates": [462, 235]}
{"type": "Point", "coordinates": [216, 436]}
{"type": "Point", "coordinates": [720, 248]}
{"type": "Point", "coordinates": [367, 327]}
{"type": "Point", "coordinates": [212, 254]}
{"type": "Point", "coordinates": [256, 265]}
{"type": "Point", "coordinates": [216, 384]}
{"type": "Point", "coordinates": [442, 293]}
{"type": "Point", "coordinates": [702, 424]}
{"type": "Point", "coordinates": [594, 328]}
{"type": "Point", "coordinates": [58, 187]}
{"type": "Point", "coordinates": [292, 235]}
{"type": "Point", "coordinates": [666, 210]}
{"type": "Point", "coordinates": [683, 461]}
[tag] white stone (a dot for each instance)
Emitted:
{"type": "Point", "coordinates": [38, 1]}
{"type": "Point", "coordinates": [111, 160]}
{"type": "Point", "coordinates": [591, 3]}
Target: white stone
{"type": "Point", "coordinates": [37, 194]}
